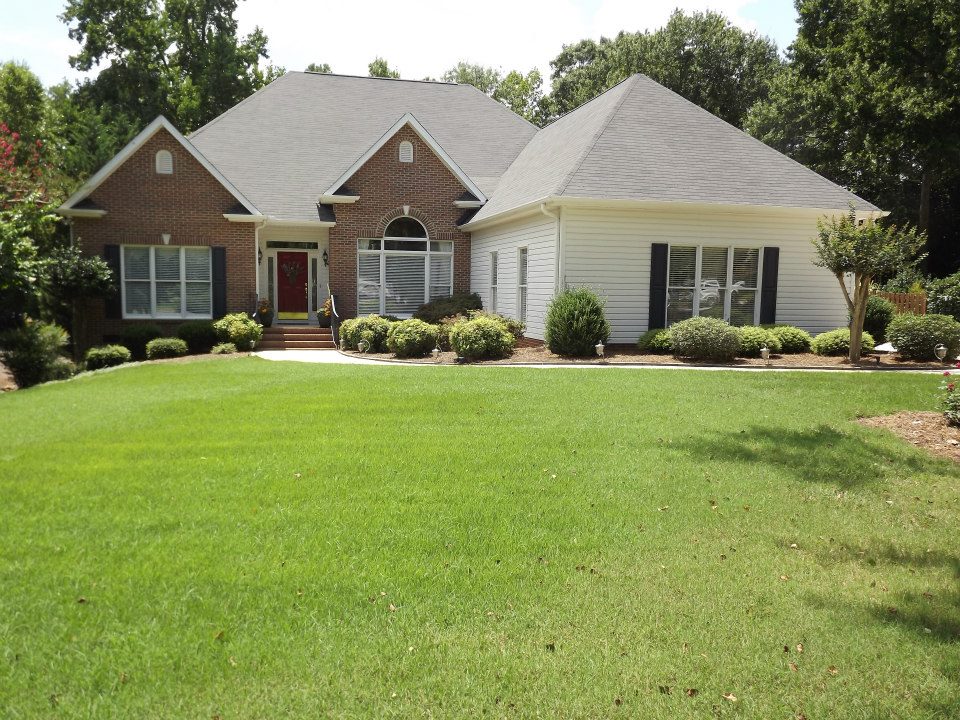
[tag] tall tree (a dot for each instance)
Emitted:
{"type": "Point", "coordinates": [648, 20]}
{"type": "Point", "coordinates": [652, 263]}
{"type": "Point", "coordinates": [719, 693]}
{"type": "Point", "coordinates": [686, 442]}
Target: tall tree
{"type": "Point", "coordinates": [485, 79]}
{"type": "Point", "coordinates": [701, 56]}
{"type": "Point", "coordinates": [521, 93]}
{"type": "Point", "coordinates": [22, 100]}
{"type": "Point", "coordinates": [319, 68]}
{"type": "Point", "coordinates": [380, 68]}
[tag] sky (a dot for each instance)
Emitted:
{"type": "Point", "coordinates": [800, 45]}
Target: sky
{"type": "Point", "coordinates": [420, 37]}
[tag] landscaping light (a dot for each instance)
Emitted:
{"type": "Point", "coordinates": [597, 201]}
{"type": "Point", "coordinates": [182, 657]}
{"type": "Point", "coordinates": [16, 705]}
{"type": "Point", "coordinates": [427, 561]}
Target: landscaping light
{"type": "Point", "coordinates": [436, 354]}
{"type": "Point", "coordinates": [361, 345]}
{"type": "Point", "coordinates": [599, 348]}
{"type": "Point", "coordinates": [252, 344]}
{"type": "Point", "coordinates": [941, 351]}
{"type": "Point", "coordinates": [765, 354]}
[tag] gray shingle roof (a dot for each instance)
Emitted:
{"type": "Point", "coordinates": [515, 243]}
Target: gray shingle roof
{"type": "Point", "coordinates": [641, 141]}
{"type": "Point", "coordinates": [287, 143]}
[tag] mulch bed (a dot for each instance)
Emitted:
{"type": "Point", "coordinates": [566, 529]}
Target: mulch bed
{"type": "Point", "coordinates": [6, 379]}
{"type": "Point", "coordinates": [927, 430]}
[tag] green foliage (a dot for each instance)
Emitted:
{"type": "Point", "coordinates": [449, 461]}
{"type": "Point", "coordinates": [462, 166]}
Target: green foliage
{"type": "Point", "coordinates": [516, 327]}
{"type": "Point", "coordinates": [907, 280]}
{"type": "Point", "coordinates": [200, 335]}
{"type": "Point", "coordinates": [483, 338]}
{"type": "Point", "coordinates": [704, 338]}
{"type": "Point", "coordinates": [165, 347]}
{"type": "Point", "coordinates": [380, 68]}
{"type": "Point", "coordinates": [22, 100]}
{"type": "Point", "coordinates": [106, 356]}
{"type": "Point", "coordinates": [943, 296]}
{"type": "Point", "coordinates": [753, 339]}
{"type": "Point", "coordinates": [62, 368]}
{"type": "Point", "coordinates": [69, 277]}
{"type": "Point", "coordinates": [576, 323]}
{"type": "Point", "coordinates": [411, 338]}
{"type": "Point", "coordinates": [792, 339]}
{"type": "Point", "coordinates": [239, 329]}
{"type": "Point", "coordinates": [226, 348]}
{"type": "Point", "coordinates": [33, 352]}
{"type": "Point", "coordinates": [319, 68]}
{"type": "Point", "coordinates": [837, 342]}
{"type": "Point", "coordinates": [655, 342]}
{"type": "Point", "coordinates": [372, 330]}
{"type": "Point", "coordinates": [879, 313]}
{"type": "Point", "coordinates": [135, 337]}
{"type": "Point", "coordinates": [950, 399]}
{"type": "Point", "coordinates": [460, 304]}
{"type": "Point", "coordinates": [916, 336]}
{"type": "Point", "coordinates": [521, 93]}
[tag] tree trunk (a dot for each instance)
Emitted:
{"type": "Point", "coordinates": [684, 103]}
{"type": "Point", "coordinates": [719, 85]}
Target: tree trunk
{"type": "Point", "coordinates": [926, 185]}
{"type": "Point", "coordinates": [861, 292]}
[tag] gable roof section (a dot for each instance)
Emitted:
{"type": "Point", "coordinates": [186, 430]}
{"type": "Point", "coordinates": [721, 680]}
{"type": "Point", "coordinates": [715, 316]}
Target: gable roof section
{"type": "Point", "coordinates": [293, 139]}
{"type": "Point", "coordinates": [641, 141]}
{"type": "Point", "coordinates": [74, 203]}
{"type": "Point", "coordinates": [421, 131]}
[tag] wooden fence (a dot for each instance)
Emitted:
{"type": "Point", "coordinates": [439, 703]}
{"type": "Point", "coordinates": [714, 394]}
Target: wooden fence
{"type": "Point", "coordinates": [915, 303]}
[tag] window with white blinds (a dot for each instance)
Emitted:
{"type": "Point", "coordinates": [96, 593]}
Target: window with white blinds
{"type": "Point", "coordinates": [715, 281]}
{"type": "Point", "coordinates": [522, 259]}
{"type": "Point", "coordinates": [166, 282]}
{"type": "Point", "coordinates": [397, 275]}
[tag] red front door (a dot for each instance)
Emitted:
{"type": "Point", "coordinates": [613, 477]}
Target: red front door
{"type": "Point", "coordinates": [292, 285]}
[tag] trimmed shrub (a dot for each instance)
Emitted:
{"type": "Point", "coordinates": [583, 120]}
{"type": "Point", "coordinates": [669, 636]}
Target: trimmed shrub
{"type": "Point", "coordinates": [916, 336]}
{"type": "Point", "coordinates": [516, 327]}
{"type": "Point", "coordinates": [435, 310]}
{"type": "Point", "coordinates": [655, 342]}
{"type": "Point", "coordinates": [32, 352]}
{"type": "Point", "coordinates": [62, 368]}
{"type": "Point", "coordinates": [943, 296]}
{"type": "Point", "coordinates": [166, 348]}
{"type": "Point", "coordinates": [411, 338]}
{"type": "Point", "coordinates": [481, 338]}
{"type": "Point", "coordinates": [753, 339]}
{"type": "Point", "coordinates": [239, 329]}
{"type": "Point", "coordinates": [199, 335]}
{"type": "Point", "coordinates": [106, 356]}
{"type": "Point", "coordinates": [371, 329]}
{"type": "Point", "coordinates": [704, 338]}
{"type": "Point", "coordinates": [792, 339]}
{"type": "Point", "coordinates": [880, 312]}
{"type": "Point", "coordinates": [444, 328]}
{"type": "Point", "coordinates": [136, 336]}
{"type": "Point", "coordinates": [226, 348]}
{"type": "Point", "coordinates": [837, 342]}
{"type": "Point", "coordinates": [576, 323]}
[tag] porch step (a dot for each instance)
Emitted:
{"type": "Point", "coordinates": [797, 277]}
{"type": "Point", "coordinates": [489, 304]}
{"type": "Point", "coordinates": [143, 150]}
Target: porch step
{"type": "Point", "coordinates": [296, 345]}
{"type": "Point", "coordinates": [297, 337]}
{"type": "Point", "coordinates": [295, 330]}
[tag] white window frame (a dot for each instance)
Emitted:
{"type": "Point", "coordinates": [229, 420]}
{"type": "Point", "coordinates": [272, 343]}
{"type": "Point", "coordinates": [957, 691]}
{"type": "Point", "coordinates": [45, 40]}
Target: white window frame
{"type": "Point", "coordinates": [728, 288]}
{"type": "Point", "coordinates": [494, 279]}
{"type": "Point", "coordinates": [183, 315]}
{"type": "Point", "coordinates": [523, 261]}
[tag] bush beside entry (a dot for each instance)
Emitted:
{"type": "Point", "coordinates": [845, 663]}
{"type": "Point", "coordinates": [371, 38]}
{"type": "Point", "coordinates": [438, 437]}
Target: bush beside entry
{"type": "Point", "coordinates": [435, 310]}
{"type": "Point", "coordinates": [481, 338]}
{"type": "Point", "coordinates": [916, 336]}
{"type": "Point", "coordinates": [371, 329]}
{"type": "Point", "coordinates": [106, 356]}
{"type": "Point", "coordinates": [837, 342]}
{"type": "Point", "coordinates": [576, 323]}
{"type": "Point", "coordinates": [239, 329]}
{"type": "Point", "coordinates": [703, 338]}
{"type": "Point", "coordinates": [226, 348]}
{"type": "Point", "coordinates": [166, 348]}
{"type": "Point", "coordinates": [136, 336]}
{"type": "Point", "coordinates": [200, 335]}
{"type": "Point", "coordinates": [411, 338]}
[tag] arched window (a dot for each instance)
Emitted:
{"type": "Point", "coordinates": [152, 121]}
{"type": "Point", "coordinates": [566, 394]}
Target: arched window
{"type": "Point", "coordinates": [406, 152]}
{"type": "Point", "coordinates": [405, 227]}
{"type": "Point", "coordinates": [164, 162]}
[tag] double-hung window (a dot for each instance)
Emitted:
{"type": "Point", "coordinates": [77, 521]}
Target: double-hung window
{"type": "Point", "coordinates": [494, 269]}
{"type": "Point", "coordinates": [166, 282]}
{"type": "Point", "coordinates": [713, 281]}
{"type": "Point", "coordinates": [522, 256]}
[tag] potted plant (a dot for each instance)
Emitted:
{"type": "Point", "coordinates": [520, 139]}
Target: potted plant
{"type": "Point", "coordinates": [265, 312]}
{"type": "Point", "coordinates": [324, 317]}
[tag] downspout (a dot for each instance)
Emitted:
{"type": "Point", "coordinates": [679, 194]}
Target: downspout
{"type": "Point", "coordinates": [558, 267]}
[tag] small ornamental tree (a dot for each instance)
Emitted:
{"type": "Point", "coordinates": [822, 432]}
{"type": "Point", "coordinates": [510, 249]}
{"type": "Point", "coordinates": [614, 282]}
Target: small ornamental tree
{"type": "Point", "coordinates": [71, 278]}
{"type": "Point", "coordinates": [863, 250]}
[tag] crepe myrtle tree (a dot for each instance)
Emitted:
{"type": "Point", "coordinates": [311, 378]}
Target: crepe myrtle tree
{"type": "Point", "coordinates": [860, 250]}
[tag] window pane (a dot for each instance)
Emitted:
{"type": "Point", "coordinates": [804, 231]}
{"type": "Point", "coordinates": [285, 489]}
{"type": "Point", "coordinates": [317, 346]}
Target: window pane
{"type": "Point", "coordinates": [679, 305]}
{"type": "Point", "coordinates": [368, 295]}
{"type": "Point", "coordinates": [494, 268]}
{"type": "Point", "coordinates": [198, 298]}
{"type": "Point", "coordinates": [166, 263]}
{"type": "Point", "coordinates": [711, 302]}
{"type": "Point", "coordinates": [197, 262]}
{"type": "Point", "coordinates": [441, 276]}
{"type": "Point", "coordinates": [683, 266]}
{"type": "Point", "coordinates": [405, 245]}
{"type": "Point", "coordinates": [522, 271]}
{"type": "Point", "coordinates": [136, 263]}
{"type": "Point", "coordinates": [745, 261]}
{"type": "Point", "coordinates": [137, 298]}
{"type": "Point", "coordinates": [168, 298]}
{"type": "Point", "coordinates": [713, 267]}
{"type": "Point", "coordinates": [522, 303]}
{"type": "Point", "coordinates": [742, 304]}
{"type": "Point", "coordinates": [441, 247]}
{"type": "Point", "coordinates": [405, 284]}
{"type": "Point", "coordinates": [405, 227]}
{"type": "Point", "coordinates": [493, 299]}
{"type": "Point", "coordinates": [368, 244]}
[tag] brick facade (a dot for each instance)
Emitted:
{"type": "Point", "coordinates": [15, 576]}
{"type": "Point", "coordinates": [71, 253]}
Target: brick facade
{"type": "Point", "coordinates": [385, 185]}
{"type": "Point", "coordinates": [189, 205]}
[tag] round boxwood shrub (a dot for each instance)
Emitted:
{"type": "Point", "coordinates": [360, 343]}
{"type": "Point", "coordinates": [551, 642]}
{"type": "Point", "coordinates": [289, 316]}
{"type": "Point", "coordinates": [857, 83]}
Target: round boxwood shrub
{"type": "Point", "coordinates": [753, 339]}
{"type": "Point", "coordinates": [576, 323]}
{"type": "Point", "coordinates": [704, 338]}
{"type": "Point", "coordinates": [481, 338]}
{"type": "Point", "coordinates": [371, 329]}
{"type": "Point", "coordinates": [880, 312]}
{"type": "Point", "coordinates": [239, 329]}
{"type": "Point", "coordinates": [916, 336]}
{"type": "Point", "coordinates": [792, 339]}
{"type": "Point", "coordinates": [62, 368]}
{"type": "Point", "coordinates": [837, 342]}
{"type": "Point", "coordinates": [226, 348]}
{"type": "Point", "coordinates": [135, 337]}
{"type": "Point", "coordinates": [943, 296]}
{"type": "Point", "coordinates": [106, 356]}
{"type": "Point", "coordinates": [199, 335]}
{"type": "Point", "coordinates": [166, 348]}
{"type": "Point", "coordinates": [655, 342]}
{"type": "Point", "coordinates": [516, 327]}
{"type": "Point", "coordinates": [411, 338]}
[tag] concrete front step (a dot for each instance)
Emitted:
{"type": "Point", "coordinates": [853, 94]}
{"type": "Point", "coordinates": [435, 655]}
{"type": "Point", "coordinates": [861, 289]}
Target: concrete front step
{"type": "Point", "coordinates": [296, 329]}
{"type": "Point", "coordinates": [296, 345]}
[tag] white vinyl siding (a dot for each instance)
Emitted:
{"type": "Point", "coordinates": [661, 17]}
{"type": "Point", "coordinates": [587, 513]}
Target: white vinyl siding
{"type": "Point", "coordinates": [166, 282]}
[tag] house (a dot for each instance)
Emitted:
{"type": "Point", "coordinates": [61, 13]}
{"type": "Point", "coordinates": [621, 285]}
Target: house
{"type": "Point", "coordinates": [387, 193]}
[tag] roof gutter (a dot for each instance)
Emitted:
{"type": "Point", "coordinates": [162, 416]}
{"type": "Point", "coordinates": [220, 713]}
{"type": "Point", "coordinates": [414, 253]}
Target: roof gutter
{"type": "Point", "coordinates": [558, 266]}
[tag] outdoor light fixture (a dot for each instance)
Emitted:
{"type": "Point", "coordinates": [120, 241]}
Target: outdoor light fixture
{"type": "Point", "coordinates": [599, 348]}
{"type": "Point", "coordinates": [326, 258]}
{"type": "Point", "coordinates": [765, 354]}
{"type": "Point", "coordinates": [259, 256]}
{"type": "Point", "coordinates": [361, 345]}
{"type": "Point", "coordinates": [436, 354]}
{"type": "Point", "coordinates": [941, 351]}
{"type": "Point", "coordinates": [252, 344]}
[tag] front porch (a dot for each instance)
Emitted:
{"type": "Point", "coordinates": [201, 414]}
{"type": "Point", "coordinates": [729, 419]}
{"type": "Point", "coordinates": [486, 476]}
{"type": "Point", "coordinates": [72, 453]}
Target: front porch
{"type": "Point", "coordinates": [293, 274]}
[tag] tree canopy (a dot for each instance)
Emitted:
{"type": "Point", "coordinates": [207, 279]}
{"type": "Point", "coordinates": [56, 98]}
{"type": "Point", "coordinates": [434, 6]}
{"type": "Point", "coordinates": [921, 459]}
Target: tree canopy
{"type": "Point", "coordinates": [379, 68]}
{"type": "Point", "coordinates": [521, 93]}
{"type": "Point", "coordinates": [319, 68]}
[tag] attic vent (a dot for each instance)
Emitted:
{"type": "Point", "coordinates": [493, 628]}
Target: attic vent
{"type": "Point", "coordinates": [164, 163]}
{"type": "Point", "coordinates": [406, 152]}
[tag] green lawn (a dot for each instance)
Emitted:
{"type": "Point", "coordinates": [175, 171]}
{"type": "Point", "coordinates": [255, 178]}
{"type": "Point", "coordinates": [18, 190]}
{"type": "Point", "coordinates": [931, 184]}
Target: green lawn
{"type": "Point", "coordinates": [245, 539]}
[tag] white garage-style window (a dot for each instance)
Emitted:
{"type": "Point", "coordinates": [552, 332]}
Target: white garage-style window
{"type": "Point", "coordinates": [720, 282]}
{"type": "Point", "coordinates": [164, 162]}
{"type": "Point", "coordinates": [399, 272]}
{"type": "Point", "coordinates": [166, 282]}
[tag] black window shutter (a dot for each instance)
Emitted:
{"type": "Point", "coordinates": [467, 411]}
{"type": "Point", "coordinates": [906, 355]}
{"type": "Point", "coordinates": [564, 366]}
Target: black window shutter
{"type": "Point", "coordinates": [112, 305]}
{"type": "Point", "coordinates": [219, 281]}
{"type": "Point", "coordinates": [768, 288]}
{"type": "Point", "coordinates": [658, 286]}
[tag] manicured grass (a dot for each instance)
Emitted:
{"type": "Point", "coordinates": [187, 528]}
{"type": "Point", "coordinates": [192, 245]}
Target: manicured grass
{"type": "Point", "coordinates": [245, 539]}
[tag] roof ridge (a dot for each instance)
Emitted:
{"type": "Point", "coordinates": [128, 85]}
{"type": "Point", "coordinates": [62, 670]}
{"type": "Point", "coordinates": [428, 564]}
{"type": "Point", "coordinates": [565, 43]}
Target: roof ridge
{"type": "Point", "coordinates": [597, 135]}
{"type": "Point", "coordinates": [373, 77]}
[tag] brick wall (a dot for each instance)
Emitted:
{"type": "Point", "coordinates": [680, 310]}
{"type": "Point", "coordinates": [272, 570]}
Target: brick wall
{"type": "Point", "coordinates": [189, 205]}
{"type": "Point", "coordinates": [385, 185]}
